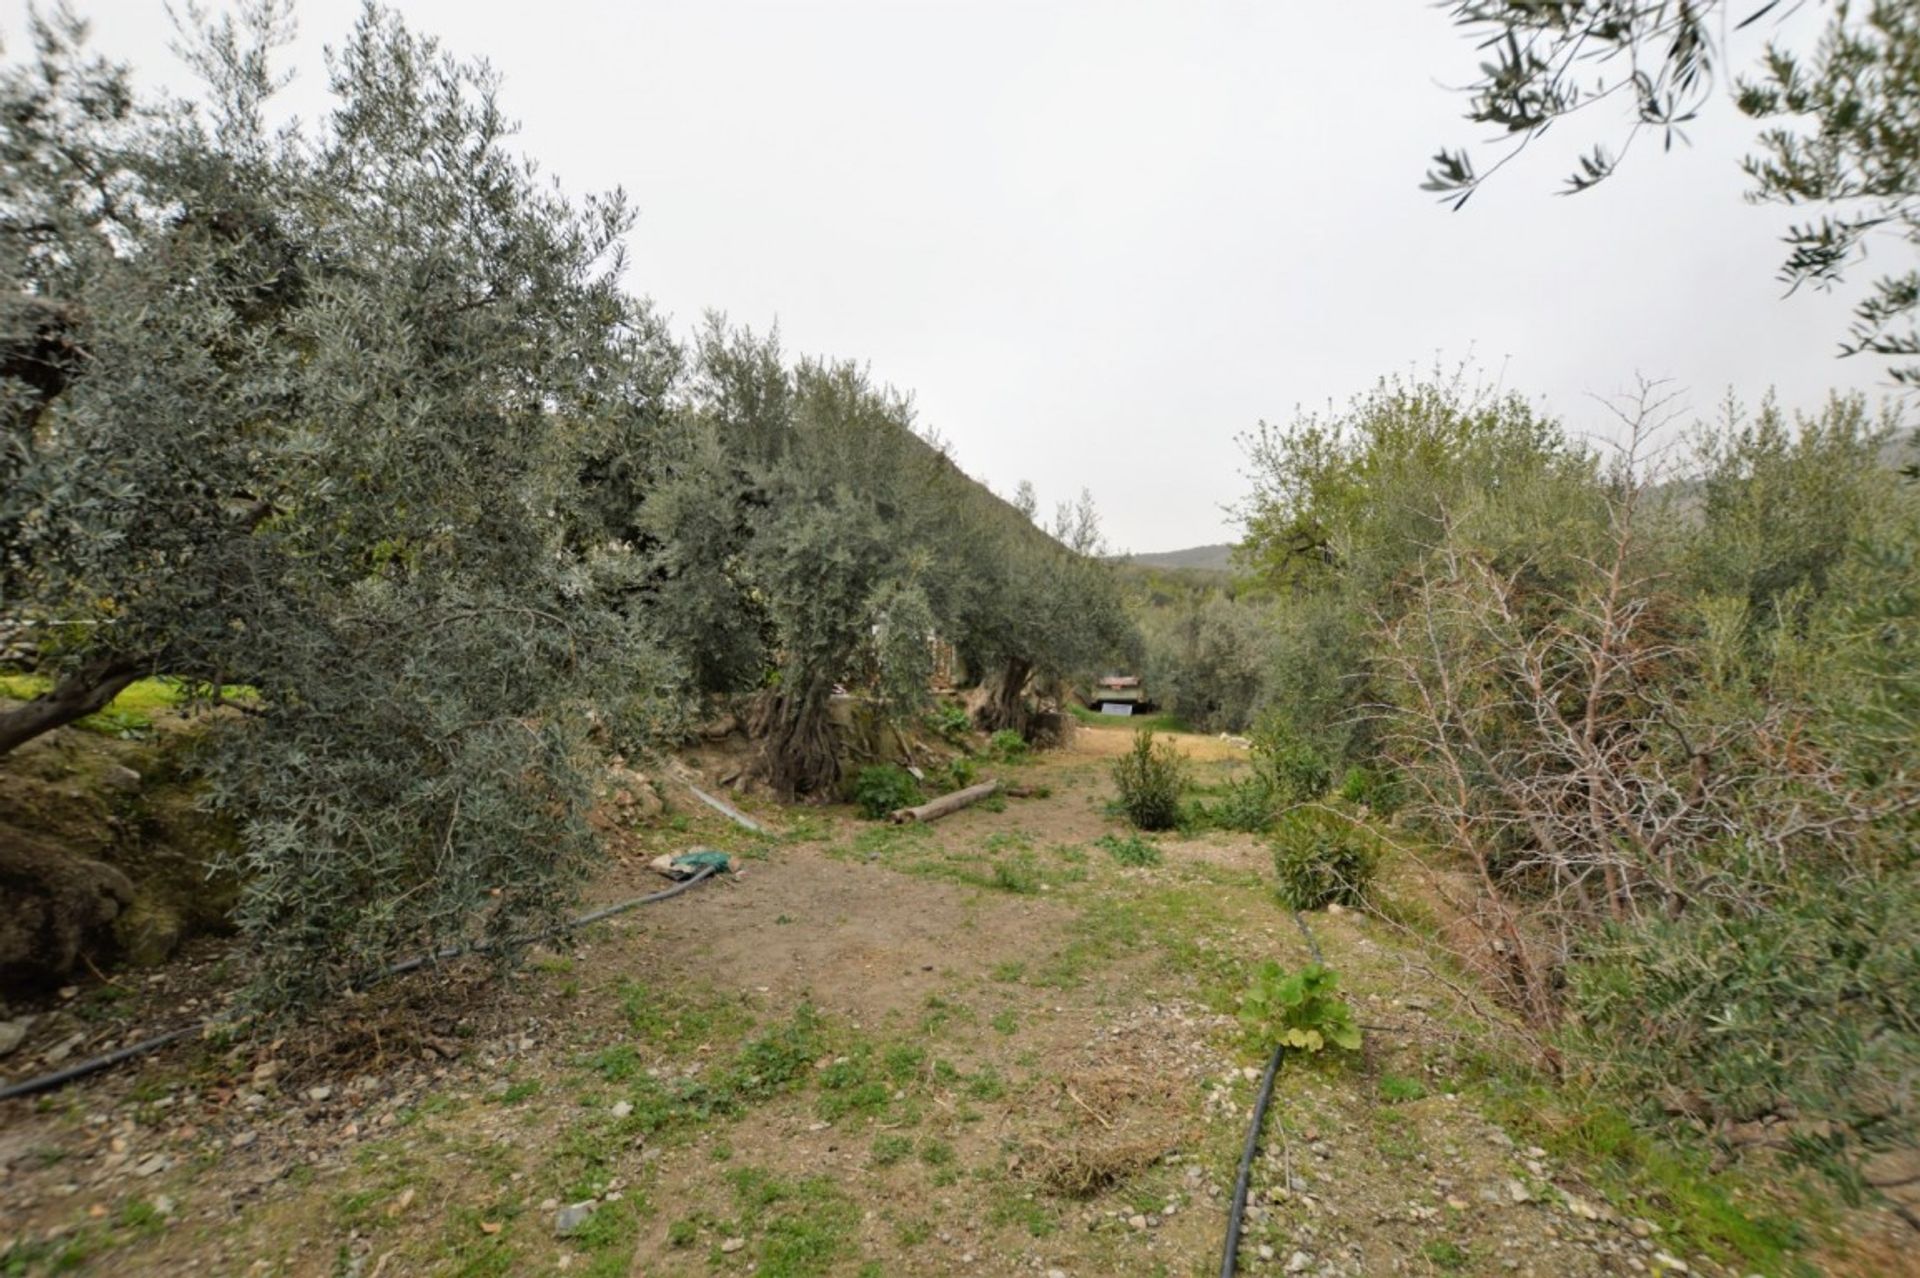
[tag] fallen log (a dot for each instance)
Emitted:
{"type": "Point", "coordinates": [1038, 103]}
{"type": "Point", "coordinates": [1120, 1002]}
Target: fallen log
{"type": "Point", "coordinates": [937, 808]}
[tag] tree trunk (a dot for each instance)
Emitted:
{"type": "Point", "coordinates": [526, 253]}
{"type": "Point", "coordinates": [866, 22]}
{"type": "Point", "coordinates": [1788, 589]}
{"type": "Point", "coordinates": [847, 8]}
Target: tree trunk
{"type": "Point", "coordinates": [1005, 709]}
{"type": "Point", "coordinates": [86, 691]}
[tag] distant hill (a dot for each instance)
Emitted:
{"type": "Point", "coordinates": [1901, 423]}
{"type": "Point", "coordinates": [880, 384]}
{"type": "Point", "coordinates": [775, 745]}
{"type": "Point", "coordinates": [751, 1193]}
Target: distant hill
{"type": "Point", "coordinates": [1209, 558]}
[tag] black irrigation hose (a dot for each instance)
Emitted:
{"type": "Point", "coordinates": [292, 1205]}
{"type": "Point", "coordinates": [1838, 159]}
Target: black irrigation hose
{"type": "Point", "coordinates": [1230, 1254]}
{"type": "Point", "coordinates": [93, 1065]}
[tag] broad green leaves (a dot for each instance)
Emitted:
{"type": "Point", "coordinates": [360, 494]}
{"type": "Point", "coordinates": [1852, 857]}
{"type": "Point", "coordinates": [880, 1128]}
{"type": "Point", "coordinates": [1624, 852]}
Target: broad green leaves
{"type": "Point", "coordinates": [1298, 1009]}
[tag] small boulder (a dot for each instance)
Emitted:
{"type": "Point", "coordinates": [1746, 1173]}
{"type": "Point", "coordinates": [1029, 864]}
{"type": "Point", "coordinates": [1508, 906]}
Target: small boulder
{"type": "Point", "coordinates": [58, 906]}
{"type": "Point", "coordinates": [570, 1219]}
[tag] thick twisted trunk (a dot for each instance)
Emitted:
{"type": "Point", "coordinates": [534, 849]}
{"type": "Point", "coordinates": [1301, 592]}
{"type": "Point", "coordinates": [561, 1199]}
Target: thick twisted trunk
{"type": "Point", "coordinates": [1006, 709]}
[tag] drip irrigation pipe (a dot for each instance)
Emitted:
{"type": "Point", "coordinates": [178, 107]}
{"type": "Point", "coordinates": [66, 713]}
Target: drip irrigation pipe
{"type": "Point", "coordinates": [95, 1064]}
{"type": "Point", "coordinates": [728, 811]}
{"type": "Point", "coordinates": [1236, 1212]}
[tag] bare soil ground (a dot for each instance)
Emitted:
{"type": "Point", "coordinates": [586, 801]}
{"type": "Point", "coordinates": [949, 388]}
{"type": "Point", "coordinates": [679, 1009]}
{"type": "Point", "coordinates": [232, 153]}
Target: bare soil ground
{"type": "Point", "coordinates": [982, 1047]}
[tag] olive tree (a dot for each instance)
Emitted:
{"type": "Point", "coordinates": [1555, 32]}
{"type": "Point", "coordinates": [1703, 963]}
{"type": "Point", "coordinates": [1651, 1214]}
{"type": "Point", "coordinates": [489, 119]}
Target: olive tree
{"type": "Point", "coordinates": [306, 411]}
{"type": "Point", "coordinates": [1846, 137]}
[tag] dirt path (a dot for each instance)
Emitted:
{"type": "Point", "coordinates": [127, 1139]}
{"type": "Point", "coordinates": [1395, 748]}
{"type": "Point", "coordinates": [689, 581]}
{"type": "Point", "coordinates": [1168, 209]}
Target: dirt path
{"type": "Point", "coordinates": [983, 1047]}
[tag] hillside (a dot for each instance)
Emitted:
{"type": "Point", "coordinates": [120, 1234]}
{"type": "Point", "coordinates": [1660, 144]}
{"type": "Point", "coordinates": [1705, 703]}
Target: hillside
{"type": "Point", "coordinates": [1216, 558]}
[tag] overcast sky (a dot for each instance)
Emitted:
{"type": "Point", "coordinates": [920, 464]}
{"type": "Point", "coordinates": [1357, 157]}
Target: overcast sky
{"type": "Point", "coordinates": [1099, 240]}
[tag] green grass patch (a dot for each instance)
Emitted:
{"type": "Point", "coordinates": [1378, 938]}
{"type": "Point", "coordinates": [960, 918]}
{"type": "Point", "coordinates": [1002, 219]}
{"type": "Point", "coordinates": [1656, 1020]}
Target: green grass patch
{"type": "Point", "coordinates": [796, 1228]}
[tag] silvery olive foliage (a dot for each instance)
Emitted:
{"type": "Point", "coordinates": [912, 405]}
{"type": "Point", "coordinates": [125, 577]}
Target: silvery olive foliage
{"type": "Point", "coordinates": [356, 415]}
{"type": "Point", "coordinates": [306, 410]}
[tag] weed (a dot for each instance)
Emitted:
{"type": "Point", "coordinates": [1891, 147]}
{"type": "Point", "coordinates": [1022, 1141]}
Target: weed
{"type": "Point", "coordinates": [1131, 850]}
{"type": "Point", "coordinates": [1395, 1090]}
{"type": "Point", "coordinates": [890, 1149]}
{"type": "Point", "coordinates": [616, 1064]}
{"type": "Point", "coordinates": [1005, 1021]}
{"type": "Point", "coordinates": [884, 788]}
{"type": "Point", "coordinates": [1445, 1254]}
{"type": "Point", "coordinates": [1008, 746]}
{"type": "Point", "coordinates": [804, 1226]}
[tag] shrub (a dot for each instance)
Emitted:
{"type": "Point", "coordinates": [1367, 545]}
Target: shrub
{"type": "Point", "coordinates": [961, 772]}
{"type": "Point", "coordinates": [1294, 769]}
{"type": "Point", "coordinates": [1007, 746]}
{"type": "Point", "coordinates": [1247, 806]}
{"type": "Point", "coordinates": [1370, 788]}
{"type": "Point", "coordinates": [1298, 1009]}
{"type": "Point", "coordinates": [1322, 858]}
{"type": "Point", "coordinates": [1810, 1002]}
{"type": "Point", "coordinates": [882, 788]}
{"type": "Point", "coordinates": [1149, 778]}
{"type": "Point", "coordinates": [949, 722]}
{"type": "Point", "coordinates": [1132, 850]}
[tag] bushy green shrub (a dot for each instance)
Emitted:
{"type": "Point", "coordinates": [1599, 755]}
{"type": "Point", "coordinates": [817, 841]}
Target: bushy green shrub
{"type": "Point", "coordinates": [1132, 850]}
{"type": "Point", "coordinates": [1008, 746]}
{"type": "Point", "coordinates": [961, 772]}
{"type": "Point", "coordinates": [1293, 769]}
{"type": "Point", "coordinates": [883, 788]}
{"type": "Point", "coordinates": [1371, 788]}
{"type": "Point", "coordinates": [1247, 805]}
{"type": "Point", "coordinates": [1322, 858]}
{"type": "Point", "coordinates": [949, 722]}
{"type": "Point", "coordinates": [1150, 778]}
{"type": "Point", "coordinates": [1810, 1003]}
{"type": "Point", "coordinates": [1298, 1009]}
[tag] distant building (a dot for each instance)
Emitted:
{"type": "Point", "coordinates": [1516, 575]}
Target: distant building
{"type": "Point", "coordinates": [1120, 695]}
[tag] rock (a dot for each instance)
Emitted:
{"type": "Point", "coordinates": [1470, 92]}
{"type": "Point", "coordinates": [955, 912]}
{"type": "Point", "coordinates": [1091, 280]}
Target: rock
{"type": "Point", "coordinates": [1056, 1273]}
{"type": "Point", "coordinates": [732, 1245]}
{"type": "Point", "coordinates": [150, 931]}
{"type": "Point", "coordinates": [1518, 1192]}
{"type": "Point", "coordinates": [1672, 1264]}
{"type": "Point", "coordinates": [163, 1205]}
{"type": "Point", "coordinates": [59, 907]}
{"type": "Point", "coordinates": [1299, 1262]}
{"type": "Point", "coordinates": [1640, 1228]}
{"type": "Point", "coordinates": [622, 1108]}
{"type": "Point", "coordinates": [1136, 1222]}
{"type": "Point", "coordinates": [152, 1165]}
{"type": "Point", "coordinates": [1582, 1208]}
{"type": "Point", "coordinates": [1264, 1252]}
{"type": "Point", "coordinates": [568, 1220]}
{"type": "Point", "coordinates": [633, 795]}
{"type": "Point", "coordinates": [319, 1093]}
{"type": "Point", "coordinates": [240, 1140]}
{"type": "Point", "coordinates": [13, 1033]}
{"type": "Point", "coordinates": [120, 777]}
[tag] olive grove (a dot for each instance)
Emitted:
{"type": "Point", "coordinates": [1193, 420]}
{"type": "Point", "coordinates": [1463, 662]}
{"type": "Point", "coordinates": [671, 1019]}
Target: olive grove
{"type": "Point", "coordinates": [357, 415]}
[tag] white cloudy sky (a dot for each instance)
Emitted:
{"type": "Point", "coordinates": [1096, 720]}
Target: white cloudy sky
{"type": "Point", "coordinates": [1097, 239]}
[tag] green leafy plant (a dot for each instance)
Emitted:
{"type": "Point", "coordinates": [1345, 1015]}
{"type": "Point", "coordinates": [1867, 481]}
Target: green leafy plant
{"type": "Point", "coordinates": [949, 722]}
{"type": "Point", "coordinates": [884, 788]}
{"type": "Point", "coordinates": [1132, 850]}
{"type": "Point", "coordinates": [1008, 746]}
{"type": "Point", "coordinates": [1298, 1009]}
{"type": "Point", "coordinates": [1322, 858]}
{"type": "Point", "coordinates": [1370, 788]}
{"type": "Point", "coordinates": [961, 772]}
{"type": "Point", "coordinates": [1149, 778]}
